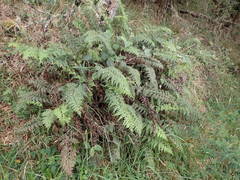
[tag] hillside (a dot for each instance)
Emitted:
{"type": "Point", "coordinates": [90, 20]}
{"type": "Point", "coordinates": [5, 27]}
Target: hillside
{"type": "Point", "coordinates": [119, 90]}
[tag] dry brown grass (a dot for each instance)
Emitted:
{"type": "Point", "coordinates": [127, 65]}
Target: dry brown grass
{"type": "Point", "coordinates": [8, 135]}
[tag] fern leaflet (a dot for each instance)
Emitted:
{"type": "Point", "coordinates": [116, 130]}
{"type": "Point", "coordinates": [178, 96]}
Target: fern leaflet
{"type": "Point", "coordinates": [74, 95]}
{"type": "Point", "coordinates": [114, 77]}
{"type": "Point", "coordinates": [131, 119]}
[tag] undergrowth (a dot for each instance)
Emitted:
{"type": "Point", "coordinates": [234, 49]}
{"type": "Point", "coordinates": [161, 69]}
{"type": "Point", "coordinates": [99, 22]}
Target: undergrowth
{"type": "Point", "coordinates": [109, 102]}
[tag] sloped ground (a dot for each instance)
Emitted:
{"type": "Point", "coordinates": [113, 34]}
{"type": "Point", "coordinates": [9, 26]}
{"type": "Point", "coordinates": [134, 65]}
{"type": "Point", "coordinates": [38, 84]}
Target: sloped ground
{"type": "Point", "coordinates": [210, 147]}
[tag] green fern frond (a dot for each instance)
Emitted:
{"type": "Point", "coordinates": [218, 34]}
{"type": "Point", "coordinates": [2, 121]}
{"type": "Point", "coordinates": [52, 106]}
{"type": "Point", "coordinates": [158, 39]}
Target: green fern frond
{"type": "Point", "coordinates": [48, 118]}
{"type": "Point", "coordinates": [161, 146]}
{"type": "Point", "coordinates": [123, 111]}
{"type": "Point", "coordinates": [167, 108]}
{"type": "Point", "coordinates": [170, 45]}
{"type": "Point", "coordinates": [74, 95]}
{"type": "Point", "coordinates": [30, 52]}
{"type": "Point", "coordinates": [155, 130]}
{"type": "Point", "coordinates": [168, 84]}
{"type": "Point", "coordinates": [191, 43]}
{"type": "Point", "coordinates": [143, 40]}
{"type": "Point", "coordinates": [151, 75]}
{"type": "Point", "coordinates": [162, 95]}
{"type": "Point", "coordinates": [127, 46]}
{"type": "Point", "coordinates": [54, 54]}
{"type": "Point", "coordinates": [133, 50]}
{"type": "Point", "coordinates": [150, 61]}
{"type": "Point", "coordinates": [63, 113]}
{"type": "Point", "coordinates": [93, 37]}
{"type": "Point", "coordinates": [113, 77]}
{"type": "Point", "coordinates": [141, 109]}
{"type": "Point", "coordinates": [33, 97]}
{"type": "Point", "coordinates": [40, 85]}
{"type": "Point", "coordinates": [160, 132]}
{"type": "Point", "coordinates": [156, 137]}
{"type": "Point", "coordinates": [132, 72]}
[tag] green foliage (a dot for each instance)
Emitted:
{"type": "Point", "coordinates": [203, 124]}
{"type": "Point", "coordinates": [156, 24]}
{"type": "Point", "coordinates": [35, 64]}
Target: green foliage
{"type": "Point", "coordinates": [95, 37]}
{"type": "Point", "coordinates": [62, 113]}
{"type": "Point", "coordinates": [113, 78]}
{"type": "Point", "coordinates": [124, 111]}
{"type": "Point", "coordinates": [74, 96]}
{"type": "Point", "coordinates": [107, 73]}
{"type": "Point", "coordinates": [48, 118]}
{"type": "Point", "coordinates": [103, 57]}
{"type": "Point", "coordinates": [107, 90]}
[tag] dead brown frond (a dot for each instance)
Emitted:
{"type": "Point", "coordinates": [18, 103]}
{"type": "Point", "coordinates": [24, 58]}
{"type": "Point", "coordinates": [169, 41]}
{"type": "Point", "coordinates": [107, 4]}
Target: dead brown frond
{"type": "Point", "coordinates": [68, 155]}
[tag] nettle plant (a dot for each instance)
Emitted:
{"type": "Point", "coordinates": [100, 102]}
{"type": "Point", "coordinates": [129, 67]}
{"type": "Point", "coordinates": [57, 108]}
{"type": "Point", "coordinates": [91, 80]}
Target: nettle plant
{"type": "Point", "coordinates": [106, 80]}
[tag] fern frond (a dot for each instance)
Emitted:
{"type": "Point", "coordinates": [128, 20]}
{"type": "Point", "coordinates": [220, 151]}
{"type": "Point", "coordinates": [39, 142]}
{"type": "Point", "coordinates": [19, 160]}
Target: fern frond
{"type": "Point", "coordinates": [143, 40]}
{"type": "Point", "coordinates": [161, 146]}
{"type": "Point", "coordinates": [132, 72]}
{"type": "Point", "coordinates": [141, 109]}
{"type": "Point", "coordinates": [31, 125]}
{"type": "Point", "coordinates": [115, 78]}
{"type": "Point", "coordinates": [54, 54]}
{"type": "Point", "coordinates": [165, 96]}
{"type": "Point", "coordinates": [123, 111]}
{"type": "Point", "coordinates": [40, 85]}
{"type": "Point", "coordinates": [151, 75]}
{"type": "Point", "coordinates": [63, 113]}
{"type": "Point", "coordinates": [30, 52]}
{"type": "Point", "coordinates": [167, 107]}
{"type": "Point", "coordinates": [48, 118]}
{"type": "Point", "coordinates": [133, 50]}
{"type": "Point", "coordinates": [33, 97]}
{"type": "Point", "coordinates": [168, 84]}
{"type": "Point", "coordinates": [156, 137]}
{"type": "Point", "coordinates": [74, 95]}
{"type": "Point", "coordinates": [93, 37]}
{"type": "Point", "coordinates": [68, 155]}
{"type": "Point", "coordinates": [160, 132]}
{"type": "Point", "coordinates": [150, 61]}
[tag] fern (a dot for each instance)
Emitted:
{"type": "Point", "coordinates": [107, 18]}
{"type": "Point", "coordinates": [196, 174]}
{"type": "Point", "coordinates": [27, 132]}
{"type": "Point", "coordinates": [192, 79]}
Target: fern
{"type": "Point", "coordinates": [164, 147]}
{"type": "Point", "coordinates": [48, 118]}
{"type": "Point", "coordinates": [156, 137]}
{"type": "Point", "coordinates": [55, 54]}
{"type": "Point", "coordinates": [151, 75]}
{"type": "Point", "coordinates": [142, 40]}
{"type": "Point", "coordinates": [94, 37]}
{"type": "Point", "coordinates": [141, 109]}
{"type": "Point", "coordinates": [63, 113]}
{"type": "Point", "coordinates": [30, 52]}
{"type": "Point", "coordinates": [127, 72]}
{"type": "Point", "coordinates": [124, 112]}
{"type": "Point", "coordinates": [74, 95]}
{"type": "Point", "coordinates": [150, 61]}
{"type": "Point", "coordinates": [33, 97]}
{"type": "Point", "coordinates": [162, 95]}
{"type": "Point", "coordinates": [167, 107]}
{"type": "Point", "coordinates": [113, 77]}
{"type": "Point", "coordinates": [41, 85]}
{"type": "Point", "coordinates": [132, 72]}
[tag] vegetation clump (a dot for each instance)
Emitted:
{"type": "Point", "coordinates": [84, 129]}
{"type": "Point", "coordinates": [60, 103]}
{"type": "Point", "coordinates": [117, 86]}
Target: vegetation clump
{"type": "Point", "coordinates": [104, 92]}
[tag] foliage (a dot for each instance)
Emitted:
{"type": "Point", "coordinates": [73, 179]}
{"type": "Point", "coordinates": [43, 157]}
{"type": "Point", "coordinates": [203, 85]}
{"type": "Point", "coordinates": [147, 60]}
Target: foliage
{"type": "Point", "coordinates": [105, 89]}
{"type": "Point", "coordinates": [124, 71]}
